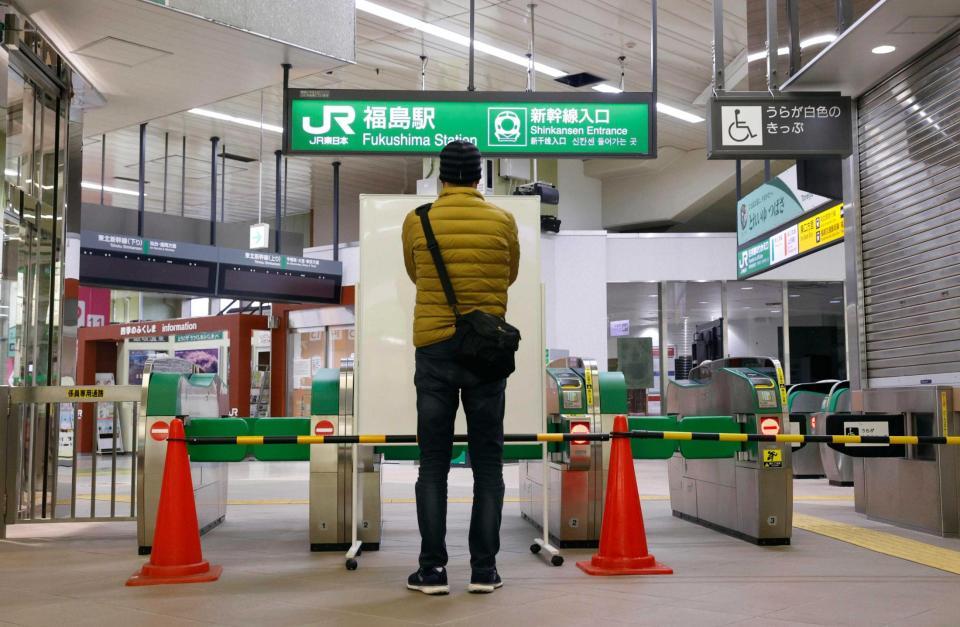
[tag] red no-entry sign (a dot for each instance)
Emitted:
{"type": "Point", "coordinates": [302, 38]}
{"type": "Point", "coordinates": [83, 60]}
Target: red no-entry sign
{"type": "Point", "coordinates": [159, 431]}
{"type": "Point", "coordinates": [324, 427]}
{"type": "Point", "coordinates": [769, 426]}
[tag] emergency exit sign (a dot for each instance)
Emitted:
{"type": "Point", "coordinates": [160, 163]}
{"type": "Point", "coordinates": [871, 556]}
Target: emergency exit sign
{"type": "Point", "coordinates": [341, 122]}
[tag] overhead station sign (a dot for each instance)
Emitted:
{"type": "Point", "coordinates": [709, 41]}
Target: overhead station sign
{"type": "Point", "coordinates": [756, 125]}
{"type": "Point", "coordinates": [504, 124]}
{"type": "Point", "coordinates": [806, 236]}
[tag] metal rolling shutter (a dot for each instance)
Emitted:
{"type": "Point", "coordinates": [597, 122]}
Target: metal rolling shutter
{"type": "Point", "coordinates": [909, 136]}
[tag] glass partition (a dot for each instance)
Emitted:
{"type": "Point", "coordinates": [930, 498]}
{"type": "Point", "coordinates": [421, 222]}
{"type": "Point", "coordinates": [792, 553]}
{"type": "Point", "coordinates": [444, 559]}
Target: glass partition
{"type": "Point", "coordinates": [755, 319]}
{"type": "Point", "coordinates": [817, 342]}
{"type": "Point", "coordinates": [633, 311]}
{"type": "Point", "coordinates": [691, 311]}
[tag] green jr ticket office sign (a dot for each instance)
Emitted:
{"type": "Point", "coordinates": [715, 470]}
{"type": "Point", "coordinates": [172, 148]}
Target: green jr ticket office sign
{"type": "Point", "coordinates": [501, 124]}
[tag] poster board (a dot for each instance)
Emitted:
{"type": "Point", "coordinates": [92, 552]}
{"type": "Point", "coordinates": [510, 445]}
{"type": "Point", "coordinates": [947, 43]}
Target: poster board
{"type": "Point", "coordinates": [385, 398]}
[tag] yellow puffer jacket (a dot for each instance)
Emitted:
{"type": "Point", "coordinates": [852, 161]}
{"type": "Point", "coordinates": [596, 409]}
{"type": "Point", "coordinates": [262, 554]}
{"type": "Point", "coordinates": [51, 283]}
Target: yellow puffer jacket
{"type": "Point", "coordinates": [480, 248]}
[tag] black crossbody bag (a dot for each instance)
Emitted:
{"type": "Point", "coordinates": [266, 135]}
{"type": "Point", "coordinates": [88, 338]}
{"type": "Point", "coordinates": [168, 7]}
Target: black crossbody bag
{"type": "Point", "coordinates": [484, 343]}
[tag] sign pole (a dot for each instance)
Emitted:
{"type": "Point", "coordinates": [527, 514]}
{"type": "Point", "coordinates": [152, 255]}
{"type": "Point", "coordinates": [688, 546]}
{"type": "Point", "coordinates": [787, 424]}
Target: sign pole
{"type": "Point", "coordinates": [213, 190]}
{"type": "Point", "coordinates": [718, 60]}
{"type": "Point", "coordinates": [277, 186]}
{"type": "Point", "coordinates": [473, 20]}
{"type": "Point", "coordinates": [141, 167]}
{"type": "Point", "coordinates": [336, 210]}
{"type": "Point", "coordinates": [532, 77]}
{"type": "Point", "coordinates": [772, 46]}
{"type": "Point", "coordinates": [653, 75]}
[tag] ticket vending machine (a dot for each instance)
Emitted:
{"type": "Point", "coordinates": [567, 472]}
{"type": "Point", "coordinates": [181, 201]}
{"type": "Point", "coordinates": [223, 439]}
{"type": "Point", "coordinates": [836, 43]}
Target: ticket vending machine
{"type": "Point", "coordinates": [172, 388]}
{"type": "Point", "coordinates": [579, 399]}
{"type": "Point", "coordinates": [748, 495]}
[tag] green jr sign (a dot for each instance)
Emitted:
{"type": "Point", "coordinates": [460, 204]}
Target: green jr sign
{"type": "Point", "coordinates": [521, 124]}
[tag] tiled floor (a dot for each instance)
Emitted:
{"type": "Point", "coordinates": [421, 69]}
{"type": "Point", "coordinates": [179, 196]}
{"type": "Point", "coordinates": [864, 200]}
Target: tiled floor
{"type": "Point", "coordinates": [73, 574]}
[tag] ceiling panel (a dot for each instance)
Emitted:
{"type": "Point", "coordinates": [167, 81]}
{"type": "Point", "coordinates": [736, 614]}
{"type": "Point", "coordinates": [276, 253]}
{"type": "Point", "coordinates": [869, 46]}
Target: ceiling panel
{"type": "Point", "coordinates": [584, 35]}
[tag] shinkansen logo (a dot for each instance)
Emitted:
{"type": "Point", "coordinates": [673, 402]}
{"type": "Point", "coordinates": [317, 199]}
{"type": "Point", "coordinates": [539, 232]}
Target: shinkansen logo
{"type": "Point", "coordinates": [343, 115]}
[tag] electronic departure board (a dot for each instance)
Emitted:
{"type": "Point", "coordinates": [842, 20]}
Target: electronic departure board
{"type": "Point", "coordinates": [273, 277]}
{"type": "Point", "coordinates": [112, 260]}
{"type": "Point", "coordinates": [128, 262]}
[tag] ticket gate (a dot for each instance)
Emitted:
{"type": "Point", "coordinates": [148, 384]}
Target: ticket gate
{"type": "Point", "coordinates": [837, 466]}
{"type": "Point", "coordinates": [749, 494]}
{"type": "Point", "coordinates": [804, 400]}
{"type": "Point", "coordinates": [910, 486]}
{"type": "Point", "coordinates": [332, 469]}
{"type": "Point", "coordinates": [172, 387]}
{"type": "Point", "coordinates": [579, 399]}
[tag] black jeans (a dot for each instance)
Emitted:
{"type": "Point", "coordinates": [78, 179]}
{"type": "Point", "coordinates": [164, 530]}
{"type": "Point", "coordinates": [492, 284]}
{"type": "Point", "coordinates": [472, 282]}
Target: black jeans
{"type": "Point", "coordinates": [439, 381]}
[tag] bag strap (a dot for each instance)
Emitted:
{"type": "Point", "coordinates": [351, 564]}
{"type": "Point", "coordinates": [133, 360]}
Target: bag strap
{"type": "Point", "coordinates": [434, 247]}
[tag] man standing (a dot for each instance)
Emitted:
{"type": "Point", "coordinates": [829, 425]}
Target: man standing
{"type": "Point", "coordinates": [479, 245]}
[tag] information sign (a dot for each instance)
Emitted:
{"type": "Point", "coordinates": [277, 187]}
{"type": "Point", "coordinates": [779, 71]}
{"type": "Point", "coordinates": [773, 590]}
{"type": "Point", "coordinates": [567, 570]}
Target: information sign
{"type": "Point", "coordinates": [808, 235]}
{"type": "Point", "coordinates": [565, 124]}
{"type": "Point", "coordinates": [756, 125]}
{"type": "Point", "coordinates": [774, 204]}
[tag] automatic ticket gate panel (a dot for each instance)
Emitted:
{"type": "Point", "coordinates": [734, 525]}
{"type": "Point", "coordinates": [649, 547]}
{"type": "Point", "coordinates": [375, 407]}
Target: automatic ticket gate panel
{"type": "Point", "coordinates": [749, 494]}
{"type": "Point", "coordinates": [172, 389]}
{"type": "Point", "coordinates": [331, 469]}
{"type": "Point", "coordinates": [579, 399]}
{"type": "Point", "coordinates": [911, 486]}
{"type": "Point", "coordinates": [837, 465]}
{"type": "Point", "coordinates": [804, 401]}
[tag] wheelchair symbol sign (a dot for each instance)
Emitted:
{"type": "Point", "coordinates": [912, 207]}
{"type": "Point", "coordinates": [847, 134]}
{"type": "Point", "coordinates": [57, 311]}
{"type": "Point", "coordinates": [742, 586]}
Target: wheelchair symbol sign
{"type": "Point", "coordinates": [741, 125]}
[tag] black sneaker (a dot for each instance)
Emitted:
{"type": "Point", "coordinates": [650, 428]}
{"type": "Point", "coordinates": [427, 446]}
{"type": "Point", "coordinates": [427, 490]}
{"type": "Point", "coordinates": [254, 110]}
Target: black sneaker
{"type": "Point", "coordinates": [429, 581]}
{"type": "Point", "coordinates": [484, 582]}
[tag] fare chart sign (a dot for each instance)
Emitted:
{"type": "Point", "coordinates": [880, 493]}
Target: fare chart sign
{"type": "Point", "coordinates": [342, 122]}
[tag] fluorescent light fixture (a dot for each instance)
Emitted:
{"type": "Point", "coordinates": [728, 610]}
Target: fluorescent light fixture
{"type": "Point", "coordinates": [806, 43]}
{"type": "Point", "coordinates": [207, 113]}
{"type": "Point", "coordinates": [109, 189]}
{"type": "Point", "coordinates": [747, 287]}
{"type": "Point", "coordinates": [652, 295]}
{"type": "Point", "coordinates": [448, 35]}
{"type": "Point", "coordinates": [11, 173]}
{"type": "Point", "coordinates": [663, 108]}
{"type": "Point", "coordinates": [884, 49]}
{"type": "Point", "coordinates": [607, 89]}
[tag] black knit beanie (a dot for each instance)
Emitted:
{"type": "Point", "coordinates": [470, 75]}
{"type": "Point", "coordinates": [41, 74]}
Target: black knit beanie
{"type": "Point", "coordinates": [460, 163]}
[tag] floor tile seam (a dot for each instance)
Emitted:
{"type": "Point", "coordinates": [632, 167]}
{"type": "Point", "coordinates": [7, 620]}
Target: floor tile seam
{"type": "Point", "coordinates": [150, 612]}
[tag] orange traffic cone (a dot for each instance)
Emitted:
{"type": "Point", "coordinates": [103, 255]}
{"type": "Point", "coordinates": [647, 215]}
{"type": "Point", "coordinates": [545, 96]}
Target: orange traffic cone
{"type": "Point", "coordinates": [176, 555]}
{"type": "Point", "coordinates": [623, 541]}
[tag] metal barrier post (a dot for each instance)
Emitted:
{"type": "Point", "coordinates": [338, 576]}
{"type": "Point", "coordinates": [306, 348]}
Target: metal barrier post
{"type": "Point", "coordinates": [544, 542]}
{"type": "Point", "coordinates": [8, 460]}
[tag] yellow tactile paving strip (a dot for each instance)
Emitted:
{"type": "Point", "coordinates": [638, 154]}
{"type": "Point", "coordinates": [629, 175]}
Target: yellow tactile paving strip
{"type": "Point", "coordinates": [882, 542]}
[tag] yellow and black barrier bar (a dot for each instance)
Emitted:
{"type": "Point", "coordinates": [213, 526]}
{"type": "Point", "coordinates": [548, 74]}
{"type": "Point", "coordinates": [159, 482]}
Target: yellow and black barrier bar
{"type": "Point", "coordinates": [256, 440]}
{"type": "Point", "coordinates": [791, 438]}
{"type": "Point", "coordinates": [782, 438]}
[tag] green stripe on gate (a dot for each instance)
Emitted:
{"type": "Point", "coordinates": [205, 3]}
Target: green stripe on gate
{"type": "Point", "coordinates": [281, 452]}
{"type": "Point", "coordinates": [651, 448]}
{"type": "Point", "coordinates": [702, 449]}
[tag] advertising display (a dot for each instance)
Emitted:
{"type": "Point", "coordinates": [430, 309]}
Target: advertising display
{"type": "Point", "coordinates": [342, 122]}
{"type": "Point", "coordinates": [207, 360]}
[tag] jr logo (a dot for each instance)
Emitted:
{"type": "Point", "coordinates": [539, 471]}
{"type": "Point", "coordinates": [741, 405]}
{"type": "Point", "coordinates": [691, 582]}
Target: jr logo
{"type": "Point", "coordinates": [343, 115]}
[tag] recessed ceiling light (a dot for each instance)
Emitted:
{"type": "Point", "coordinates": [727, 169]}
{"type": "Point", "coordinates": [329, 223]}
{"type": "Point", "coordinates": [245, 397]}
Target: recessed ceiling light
{"type": "Point", "coordinates": [884, 49]}
{"type": "Point", "coordinates": [652, 295]}
{"type": "Point", "coordinates": [747, 287]}
{"type": "Point", "coordinates": [794, 295]}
